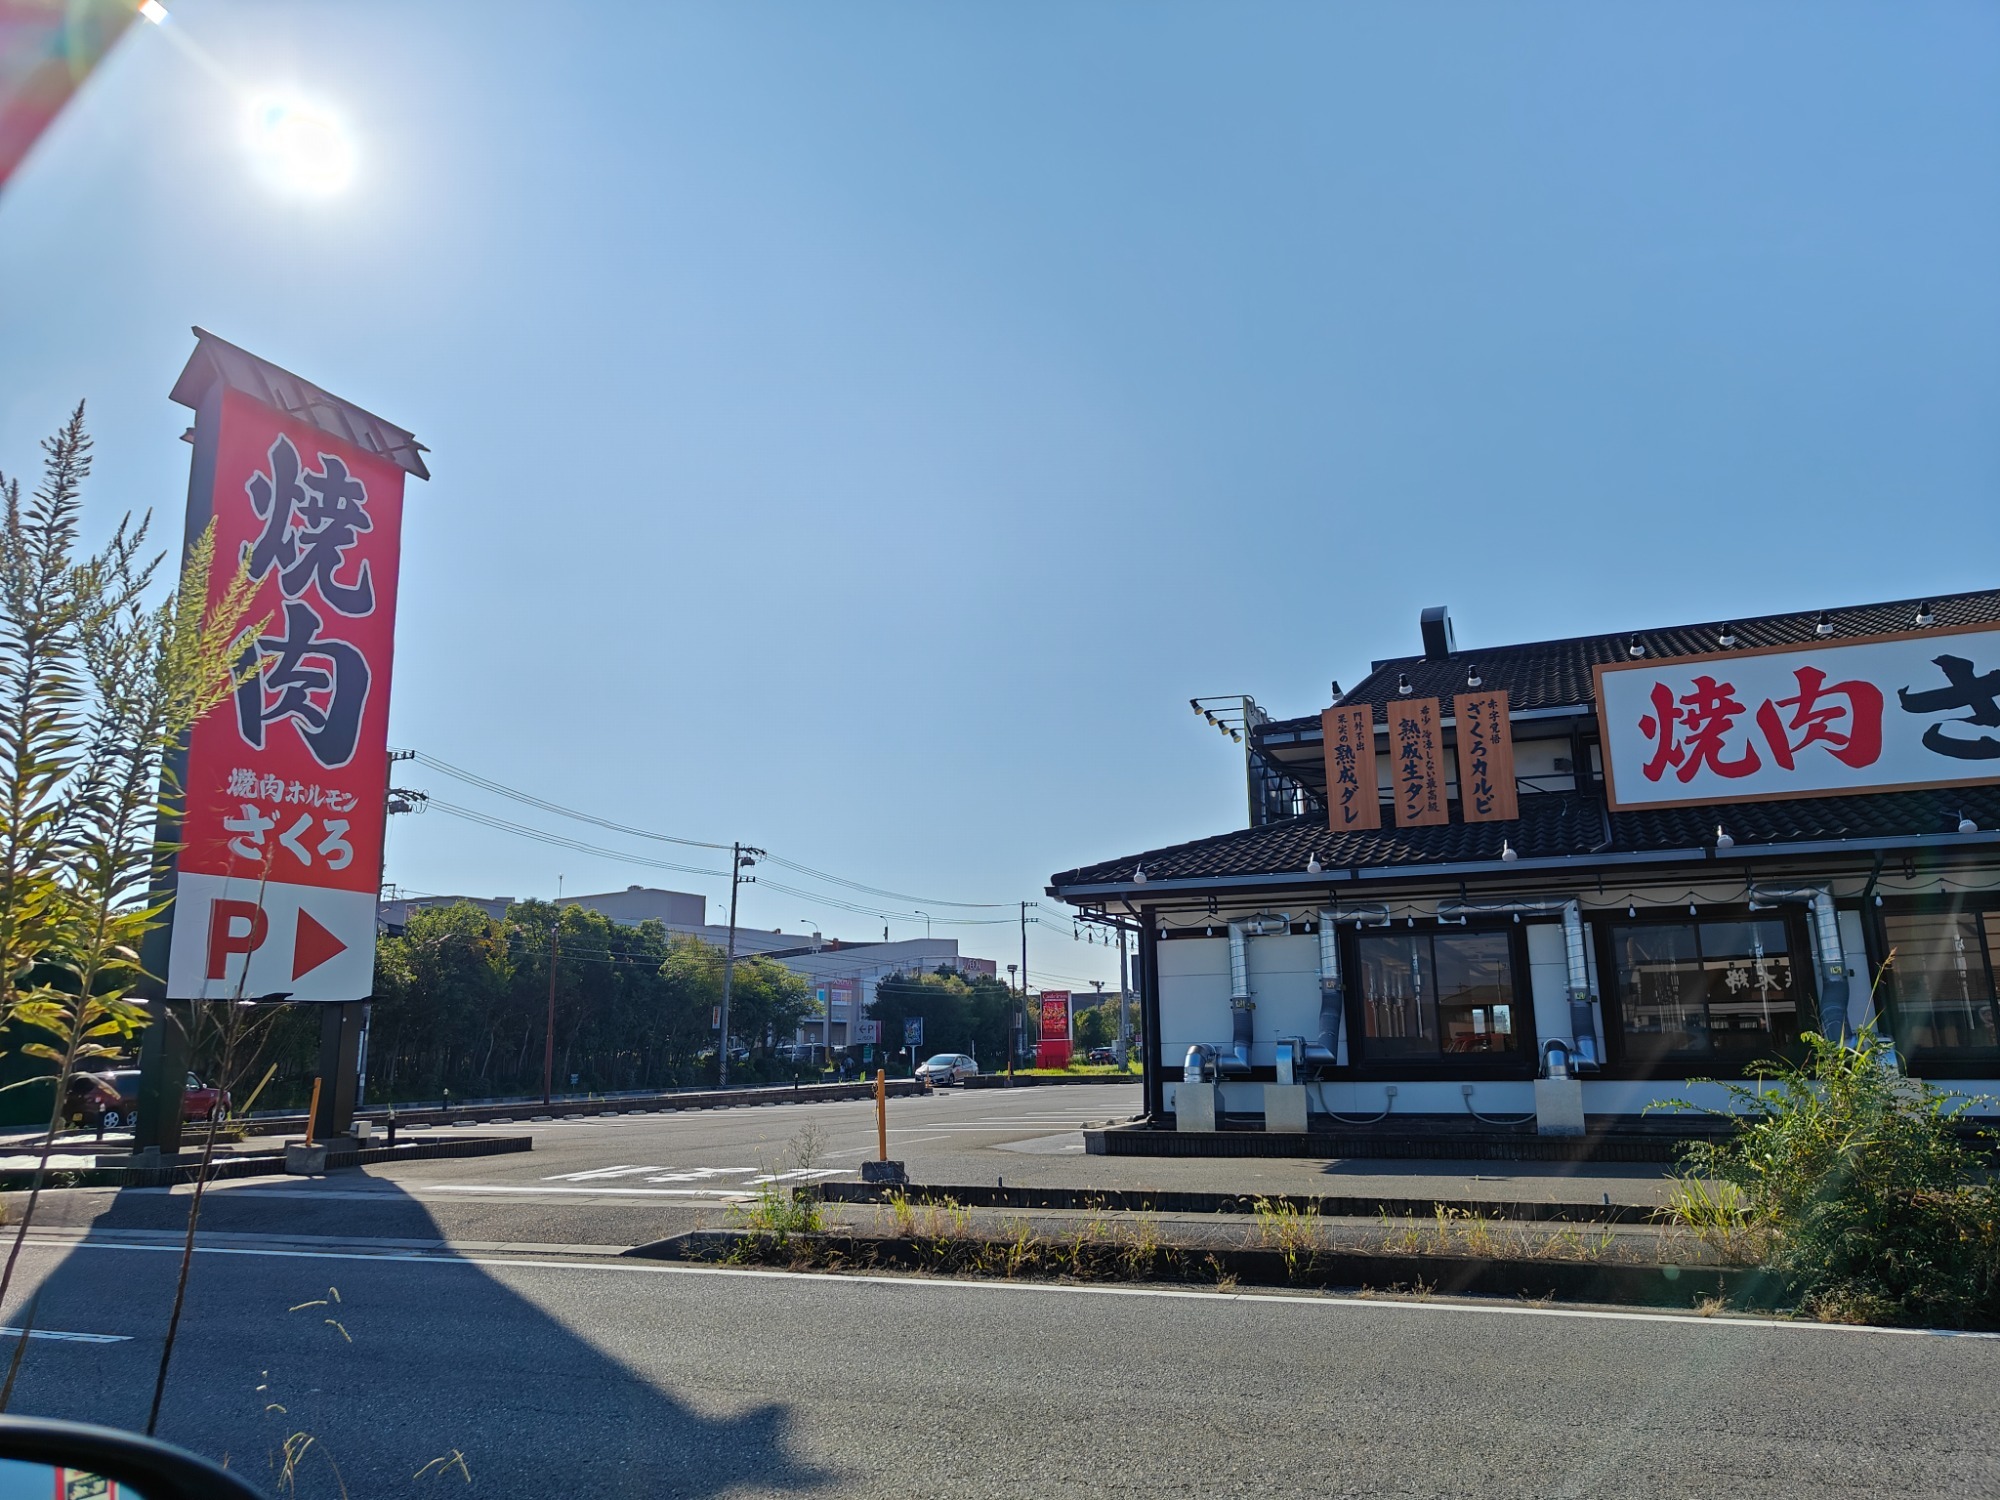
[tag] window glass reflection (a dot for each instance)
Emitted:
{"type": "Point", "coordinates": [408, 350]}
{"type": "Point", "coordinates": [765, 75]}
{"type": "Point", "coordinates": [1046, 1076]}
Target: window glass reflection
{"type": "Point", "coordinates": [1436, 994]}
{"type": "Point", "coordinates": [1705, 989]}
{"type": "Point", "coordinates": [1943, 977]}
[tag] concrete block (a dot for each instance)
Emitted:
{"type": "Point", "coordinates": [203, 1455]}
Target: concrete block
{"type": "Point", "coordinates": [302, 1160]}
{"type": "Point", "coordinates": [1195, 1106]}
{"type": "Point", "coordinates": [884, 1171]}
{"type": "Point", "coordinates": [1558, 1106]}
{"type": "Point", "coordinates": [1285, 1107]}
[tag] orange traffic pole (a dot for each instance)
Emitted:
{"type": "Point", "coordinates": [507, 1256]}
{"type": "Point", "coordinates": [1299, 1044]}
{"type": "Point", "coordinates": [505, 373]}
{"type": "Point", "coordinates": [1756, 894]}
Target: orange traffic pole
{"type": "Point", "coordinates": [312, 1112]}
{"type": "Point", "coordinates": [882, 1113]}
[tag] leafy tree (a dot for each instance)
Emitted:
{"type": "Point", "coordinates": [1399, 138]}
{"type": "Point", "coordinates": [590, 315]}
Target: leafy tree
{"type": "Point", "coordinates": [439, 986]}
{"type": "Point", "coordinates": [767, 1001]}
{"type": "Point", "coordinates": [1096, 1026]}
{"type": "Point", "coordinates": [961, 1013]}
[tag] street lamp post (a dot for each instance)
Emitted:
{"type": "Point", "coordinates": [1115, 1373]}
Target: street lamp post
{"type": "Point", "coordinates": [1013, 1041]}
{"type": "Point", "coordinates": [827, 1019]}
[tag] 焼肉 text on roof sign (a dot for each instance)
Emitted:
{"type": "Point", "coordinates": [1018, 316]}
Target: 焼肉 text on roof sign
{"type": "Point", "coordinates": [1871, 715]}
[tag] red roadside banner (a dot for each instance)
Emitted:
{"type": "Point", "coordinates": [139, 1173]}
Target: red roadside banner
{"type": "Point", "coordinates": [1053, 1050]}
{"type": "Point", "coordinates": [286, 783]}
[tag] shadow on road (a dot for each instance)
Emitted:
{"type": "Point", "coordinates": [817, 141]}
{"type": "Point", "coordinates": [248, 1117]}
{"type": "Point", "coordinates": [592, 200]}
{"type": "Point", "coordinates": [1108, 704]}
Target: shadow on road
{"type": "Point", "coordinates": [563, 1381]}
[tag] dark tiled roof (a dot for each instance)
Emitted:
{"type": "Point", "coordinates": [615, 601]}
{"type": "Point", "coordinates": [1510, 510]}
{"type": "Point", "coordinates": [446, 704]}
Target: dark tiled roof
{"type": "Point", "coordinates": [1552, 674]}
{"type": "Point", "coordinates": [1551, 825]}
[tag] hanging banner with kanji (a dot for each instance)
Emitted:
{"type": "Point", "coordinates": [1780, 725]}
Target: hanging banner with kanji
{"type": "Point", "coordinates": [1486, 792]}
{"type": "Point", "coordinates": [1416, 762]}
{"type": "Point", "coordinates": [1867, 715]}
{"type": "Point", "coordinates": [286, 782]}
{"type": "Point", "coordinates": [1352, 800]}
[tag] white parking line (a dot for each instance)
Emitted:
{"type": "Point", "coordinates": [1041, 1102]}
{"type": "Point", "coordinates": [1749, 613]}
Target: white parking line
{"type": "Point", "coordinates": [537, 1190]}
{"type": "Point", "coordinates": [68, 1338]}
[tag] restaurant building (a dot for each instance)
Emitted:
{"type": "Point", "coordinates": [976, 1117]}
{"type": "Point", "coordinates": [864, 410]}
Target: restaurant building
{"type": "Point", "coordinates": [1542, 883]}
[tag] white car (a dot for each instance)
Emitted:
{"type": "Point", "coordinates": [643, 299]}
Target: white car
{"type": "Point", "coordinates": [948, 1068]}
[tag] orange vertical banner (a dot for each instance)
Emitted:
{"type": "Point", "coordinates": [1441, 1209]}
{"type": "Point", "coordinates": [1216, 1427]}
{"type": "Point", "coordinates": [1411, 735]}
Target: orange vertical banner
{"type": "Point", "coordinates": [1352, 803]}
{"type": "Point", "coordinates": [1486, 792]}
{"type": "Point", "coordinates": [1416, 762]}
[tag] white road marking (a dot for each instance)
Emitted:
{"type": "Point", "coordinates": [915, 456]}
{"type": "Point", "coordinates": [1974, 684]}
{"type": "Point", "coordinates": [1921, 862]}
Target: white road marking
{"type": "Point", "coordinates": [1301, 1302]}
{"type": "Point", "coordinates": [68, 1338]}
{"type": "Point", "coordinates": [596, 1173]}
{"type": "Point", "coordinates": [595, 1192]}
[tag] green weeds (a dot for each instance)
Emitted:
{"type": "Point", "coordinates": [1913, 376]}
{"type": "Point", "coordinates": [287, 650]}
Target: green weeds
{"type": "Point", "coordinates": [1851, 1180]}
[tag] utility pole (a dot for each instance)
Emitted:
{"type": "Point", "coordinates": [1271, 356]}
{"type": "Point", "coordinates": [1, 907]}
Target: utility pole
{"type": "Point", "coordinates": [549, 1033]}
{"type": "Point", "coordinates": [1014, 1039]}
{"type": "Point", "coordinates": [741, 857]}
{"type": "Point", "coordinates": [1024, 968]}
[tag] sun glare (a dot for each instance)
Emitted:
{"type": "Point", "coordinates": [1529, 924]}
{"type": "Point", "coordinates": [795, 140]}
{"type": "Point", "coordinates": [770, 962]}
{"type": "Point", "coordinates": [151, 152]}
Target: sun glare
{"type": "Point", "coordinates": [302, 149]}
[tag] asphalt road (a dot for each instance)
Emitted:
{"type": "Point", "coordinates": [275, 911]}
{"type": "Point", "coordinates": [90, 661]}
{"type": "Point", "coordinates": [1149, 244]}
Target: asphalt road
{"type": "Point", "coordinates": [626, 1179]}
{"type": "Point", "coordinates": [621, 1378]}
{"type": "Point", "coordinates": [479, 1307]}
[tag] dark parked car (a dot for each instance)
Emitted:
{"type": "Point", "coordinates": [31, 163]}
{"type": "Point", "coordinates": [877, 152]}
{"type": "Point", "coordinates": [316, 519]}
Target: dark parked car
{"type": "Point", "coordinates": [110, 1101]}
{"type": "Point", "coordinates": [1101, 1055]}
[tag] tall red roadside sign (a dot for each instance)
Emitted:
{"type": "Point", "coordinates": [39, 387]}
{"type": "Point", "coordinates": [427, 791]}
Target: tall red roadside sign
{"type": "Point", "coordinates": [1053, 1051]}
{"type": "Point", "coordinates": [286, 782]}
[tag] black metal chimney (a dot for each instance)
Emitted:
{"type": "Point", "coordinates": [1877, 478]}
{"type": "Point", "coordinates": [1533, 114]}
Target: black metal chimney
{"type": "Point", "coordinates": [1438, 641]}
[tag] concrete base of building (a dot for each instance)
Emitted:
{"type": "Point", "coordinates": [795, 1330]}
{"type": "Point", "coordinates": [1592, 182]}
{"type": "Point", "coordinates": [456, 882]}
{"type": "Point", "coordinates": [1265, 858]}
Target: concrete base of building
{"type": "Point", "coordinates": [1194, 1106]}
{"type": "Point", "coordinates": [1558, 1106]}
{"type": "Point", "coordinates": [1285, 1107]}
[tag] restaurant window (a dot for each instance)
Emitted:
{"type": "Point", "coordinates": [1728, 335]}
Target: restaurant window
{"type": "Point", "coordinates": [1943, 978]}
{"type": "Point", "coordinates": [1435, 994]}
{"type": "Point", "coordinates": [1705, 989]}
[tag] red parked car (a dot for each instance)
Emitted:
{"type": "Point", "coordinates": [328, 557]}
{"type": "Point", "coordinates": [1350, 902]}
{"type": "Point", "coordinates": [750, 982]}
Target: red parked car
{"type": "Point", "coordinates": [110, 1101]}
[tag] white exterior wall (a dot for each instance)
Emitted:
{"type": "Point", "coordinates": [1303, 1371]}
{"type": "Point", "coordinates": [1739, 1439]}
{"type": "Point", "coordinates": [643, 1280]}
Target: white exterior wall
{"type": "Point", "coordinates": [1194, 995]}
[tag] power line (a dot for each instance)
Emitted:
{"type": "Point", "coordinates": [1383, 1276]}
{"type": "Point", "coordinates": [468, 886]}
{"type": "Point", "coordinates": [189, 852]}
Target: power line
{"type": "Point", "coordinates": [521, 830]}
{"type": "Point", "coordinates": [502, 790]}
{"type": "Point", "coordinates": [872, 890]}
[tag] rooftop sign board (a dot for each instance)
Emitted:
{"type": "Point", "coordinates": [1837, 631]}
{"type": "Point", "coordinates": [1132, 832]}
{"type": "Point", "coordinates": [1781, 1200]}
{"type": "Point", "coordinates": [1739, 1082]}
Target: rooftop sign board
{"type": "Point", "coordinates": [1883, 713]}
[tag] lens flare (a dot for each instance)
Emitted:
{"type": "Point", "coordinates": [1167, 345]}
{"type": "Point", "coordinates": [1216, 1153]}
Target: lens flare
{"type": "Point", "coordinates": [300, 147]}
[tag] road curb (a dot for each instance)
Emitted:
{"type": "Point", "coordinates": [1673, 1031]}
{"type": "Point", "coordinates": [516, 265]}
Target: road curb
{"type": "Point", "coordinates": [974, 1257]}
{"type": "Point", "coordinates": [1114, 1200]}
{"type": "Point", "coordinates": [265, 1165]}
{"type": "Point", "coordinates": [1351, 1145]}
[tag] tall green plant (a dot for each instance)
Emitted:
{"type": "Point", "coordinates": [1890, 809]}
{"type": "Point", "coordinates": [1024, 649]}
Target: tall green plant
{"type": "Point", "coordinates": [96, 686]}
{"type": "Point", "coordinates": [1852, 1180]}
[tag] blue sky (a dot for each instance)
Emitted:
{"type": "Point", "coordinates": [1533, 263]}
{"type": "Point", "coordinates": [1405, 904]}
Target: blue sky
{"type": "Point", "coordinates": [859, 428]}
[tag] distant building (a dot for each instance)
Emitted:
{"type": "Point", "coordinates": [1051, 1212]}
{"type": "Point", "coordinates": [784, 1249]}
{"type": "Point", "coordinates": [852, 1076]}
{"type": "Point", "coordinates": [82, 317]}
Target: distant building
{"type": "Point", "coordinates": [392, 916]}
{"type": "Point", "coordinates": [680, 910]}
{"type": "Point", "coordinates": [844, 977]}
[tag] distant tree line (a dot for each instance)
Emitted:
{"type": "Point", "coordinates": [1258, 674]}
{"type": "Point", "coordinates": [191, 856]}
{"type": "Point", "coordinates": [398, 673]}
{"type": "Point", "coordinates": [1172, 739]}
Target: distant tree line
{"type": "Point", "coordinates": [462, 1003]}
